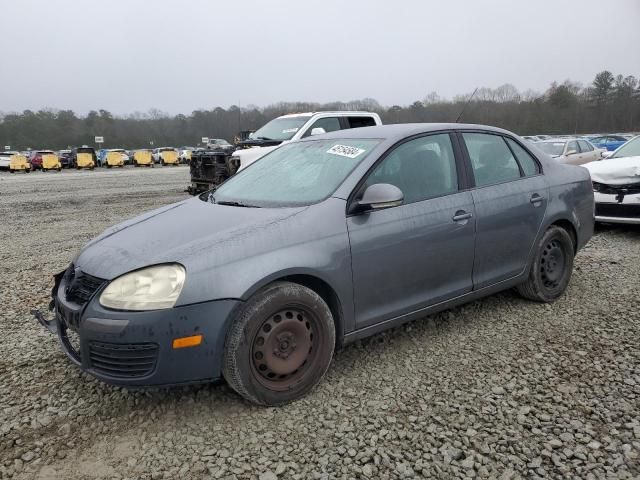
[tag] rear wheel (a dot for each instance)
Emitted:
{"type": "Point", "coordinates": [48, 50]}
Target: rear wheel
{"type": "Point", "coordinates": [279, 345]}
{"type": "Point", "coordinates": [11, 170]}
{"type": "Point", "coordinates": [552, 266]}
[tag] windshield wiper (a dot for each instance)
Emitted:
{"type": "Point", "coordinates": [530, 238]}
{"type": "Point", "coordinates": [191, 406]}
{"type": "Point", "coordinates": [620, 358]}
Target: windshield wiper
{"type": "Point", "coordinates": [264, 138]}
{"type": "Point", "coordinates": [237, 204]}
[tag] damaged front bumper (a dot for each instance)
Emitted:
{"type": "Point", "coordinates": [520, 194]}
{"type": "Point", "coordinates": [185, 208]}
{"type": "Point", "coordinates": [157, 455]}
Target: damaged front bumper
{"type": "Point", "coordinates": [617, 204]}
{"type": "Point", "coordinates": [137, 348]}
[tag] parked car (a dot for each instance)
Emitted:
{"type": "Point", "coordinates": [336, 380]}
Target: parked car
{"type": "Point", "coordinates": [116, 157]}
{"type": "Point", "coordinates": [19, 163]}
{"type": "Point", "coordinates": [608, 142]}
{"type": "Point", "coordinates": [185, 153]}
{"type": "Point", "coordinates": [289, 128]}
{"type": "Point", "coordinates": [573, 151]}
{"type": "Point", "coordinates": [164, 155]}
{"type": "Point", "coordinates": [220, 144]}
{"type": "Point", "coordinates": [616, 185]}
{"type": "Point", "coordinates": [326, 241]}
{"type": "Point", "coordinates": [65, 158]}
{"type": "Point", "coordinates": [44, 160]}
{"type": "Point", "coordinates": [143, 158]}
{"type": "Point", "coordinates": [5, 158]}
{"type": "Point", "coordinates": [83, 157]}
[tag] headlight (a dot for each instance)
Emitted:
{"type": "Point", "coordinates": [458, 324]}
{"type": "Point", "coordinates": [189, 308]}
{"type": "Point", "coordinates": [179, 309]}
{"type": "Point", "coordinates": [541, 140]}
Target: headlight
{"type": "Point", "coordinates": [151, 288]}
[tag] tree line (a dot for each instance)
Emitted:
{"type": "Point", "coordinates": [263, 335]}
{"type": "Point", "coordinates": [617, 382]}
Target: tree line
{"type": "Point", "coordinates": [611, 103]}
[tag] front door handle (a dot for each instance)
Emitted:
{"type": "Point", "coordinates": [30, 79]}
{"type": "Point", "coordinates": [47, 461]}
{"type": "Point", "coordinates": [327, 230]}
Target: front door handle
{"type": "Point", "coordinates": [536, 199]}
{"type": "Point", "coordinates": [461, 216]}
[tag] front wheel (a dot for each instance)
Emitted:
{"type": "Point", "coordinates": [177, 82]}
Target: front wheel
{"type": "Point", "coordinates": [279, 345]}
{"type": "Point", "coordinates": [551, 268]}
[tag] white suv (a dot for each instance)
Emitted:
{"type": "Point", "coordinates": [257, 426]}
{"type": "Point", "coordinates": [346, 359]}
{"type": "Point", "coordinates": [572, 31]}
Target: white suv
{"type": "Point", "coordinates": [289, 128]}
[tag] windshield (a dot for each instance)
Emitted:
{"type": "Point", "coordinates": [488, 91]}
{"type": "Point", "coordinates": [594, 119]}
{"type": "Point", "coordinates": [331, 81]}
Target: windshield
{"type": "Point", "coordinates": [282, 128]}
{"type": "Point", "coordinates": [629, 149]}
{"type": "Point", "coordinates": [294, 175]}
{"type": "Point", "coordinates": [551, 148]}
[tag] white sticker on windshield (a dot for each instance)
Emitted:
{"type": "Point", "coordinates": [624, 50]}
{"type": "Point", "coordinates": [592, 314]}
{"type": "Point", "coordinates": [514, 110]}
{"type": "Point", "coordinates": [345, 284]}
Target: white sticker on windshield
{"type": "Point", "coordinates": [290, 130]}
{"type": "Point", "coordinates": [346, 151]}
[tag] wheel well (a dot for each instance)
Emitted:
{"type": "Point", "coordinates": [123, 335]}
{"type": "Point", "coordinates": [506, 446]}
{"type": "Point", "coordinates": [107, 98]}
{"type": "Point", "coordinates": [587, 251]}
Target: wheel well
{"type": "Point", "coordinates": [568, 226]}
{"type": "Point", "coordinates": [327, 293]}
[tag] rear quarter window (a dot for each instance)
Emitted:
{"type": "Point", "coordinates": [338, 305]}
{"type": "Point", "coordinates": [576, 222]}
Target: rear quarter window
{"type": "Point", "coordinates": [526, 161]}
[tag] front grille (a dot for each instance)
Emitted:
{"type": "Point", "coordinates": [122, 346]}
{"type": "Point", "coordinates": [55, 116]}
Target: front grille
{"type": "Point", "coordinates": [80, 286]}
{"type": "Point", "coordinates": [617, 210]}
{"type": "Point", "coordinates": [123, 360]}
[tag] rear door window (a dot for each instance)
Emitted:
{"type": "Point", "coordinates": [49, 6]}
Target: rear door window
{"type": "Point", "coordinates": [491, 159]}
{"type": "Point", "coordinates": [357, 122]}
{"type": "Point", "coordinates": [584, 146]}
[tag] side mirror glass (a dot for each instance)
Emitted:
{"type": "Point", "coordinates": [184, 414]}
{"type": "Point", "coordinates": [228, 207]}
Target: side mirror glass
{"type": "Point", "coordinates": [381, 195]}
{"type": "Point", "coordinates": [318, 131]}
{"type": "Point", "coordinates": [606, 154]}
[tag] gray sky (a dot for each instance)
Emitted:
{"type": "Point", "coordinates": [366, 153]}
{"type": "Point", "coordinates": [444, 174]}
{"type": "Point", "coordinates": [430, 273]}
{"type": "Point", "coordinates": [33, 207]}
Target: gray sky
{"type": "Point", "coordinates": [177, 56]}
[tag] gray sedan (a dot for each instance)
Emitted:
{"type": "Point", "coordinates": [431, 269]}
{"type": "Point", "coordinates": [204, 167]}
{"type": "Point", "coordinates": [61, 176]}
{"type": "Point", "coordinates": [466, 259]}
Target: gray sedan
{"type": "Point", "coordinates": [320, 243]}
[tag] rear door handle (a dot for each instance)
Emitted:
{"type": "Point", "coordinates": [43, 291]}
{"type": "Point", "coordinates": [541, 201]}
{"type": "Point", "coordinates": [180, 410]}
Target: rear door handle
{"type": "Point", "coordinates": [536, 199]}
{"type": "Point", "coordinates": [461, 215]}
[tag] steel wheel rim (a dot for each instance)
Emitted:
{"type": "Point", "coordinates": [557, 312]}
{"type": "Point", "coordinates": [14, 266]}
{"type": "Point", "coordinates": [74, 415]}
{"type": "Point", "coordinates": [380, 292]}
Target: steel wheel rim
{"type": "Point", "coordinates": [285, 347]}
{"type": "Point", "coordinates": [552, 264]}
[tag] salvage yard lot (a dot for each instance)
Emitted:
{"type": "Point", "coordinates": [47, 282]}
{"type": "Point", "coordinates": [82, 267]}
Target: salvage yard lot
{"type": "Point", "coordinates": [499, 388]}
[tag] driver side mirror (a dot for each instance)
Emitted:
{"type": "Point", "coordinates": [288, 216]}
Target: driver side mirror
{"type": "Point", "coordinates": [318, 131]}
{"type": "Point", "coordinates": [571, 152]}
{"type": "Point", "coordinates": [379, 196]}
{"type": "Point", "coordinates": [606, 154]}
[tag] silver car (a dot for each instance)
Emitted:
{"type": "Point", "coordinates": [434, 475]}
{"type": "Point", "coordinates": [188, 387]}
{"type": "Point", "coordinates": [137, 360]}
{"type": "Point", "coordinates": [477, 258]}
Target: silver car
{"type": "Point", "coordinates": [319, 243]}
{"type": "Point", "coordinates": [573, 151]}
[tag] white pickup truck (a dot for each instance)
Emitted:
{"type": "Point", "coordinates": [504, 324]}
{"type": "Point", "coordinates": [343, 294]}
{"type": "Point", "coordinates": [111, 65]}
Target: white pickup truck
{"type": "Point", "coordinates": [289, 128]}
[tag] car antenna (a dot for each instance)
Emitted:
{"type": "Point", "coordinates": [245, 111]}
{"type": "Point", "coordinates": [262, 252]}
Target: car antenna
{"type": "Point", "coordinates": [466, 105]}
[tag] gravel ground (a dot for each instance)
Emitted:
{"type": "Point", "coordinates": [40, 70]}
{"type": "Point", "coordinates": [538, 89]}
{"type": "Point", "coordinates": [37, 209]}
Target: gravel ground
{"type": "Point", "coordinates": [500, 388]}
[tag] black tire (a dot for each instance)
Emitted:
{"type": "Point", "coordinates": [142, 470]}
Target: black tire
{"type": "Point", "coordinates": [266, 359]}
{"type": "Point", "coordinates": [59, 169]}
{"type": "Point", "coordinates": [27, 170]}
{"type": "Point", "coordinates": [551, 269]}
{"type": "Point", "coordinates": [11, 170]}
{"type": "Point", "coordinates": [108, 166]}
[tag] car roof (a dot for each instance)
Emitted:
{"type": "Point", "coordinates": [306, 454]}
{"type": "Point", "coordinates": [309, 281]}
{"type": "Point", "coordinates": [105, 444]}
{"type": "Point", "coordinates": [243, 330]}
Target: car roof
{"type": "Point", "coordinates": [343, 113]}
{"type": "Point", "coordinates": [557, 140]}
{"type": "Point", "coordinates": [399, 131]}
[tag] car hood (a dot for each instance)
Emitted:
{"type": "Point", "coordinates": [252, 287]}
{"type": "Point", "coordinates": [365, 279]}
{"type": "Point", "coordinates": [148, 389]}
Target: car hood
{"type": "Point", "coordinates": [183, 233]}
{"type": "Point", "coordinates": [249, 155]}
{"type": "Point", "coordinates": [615, 171]}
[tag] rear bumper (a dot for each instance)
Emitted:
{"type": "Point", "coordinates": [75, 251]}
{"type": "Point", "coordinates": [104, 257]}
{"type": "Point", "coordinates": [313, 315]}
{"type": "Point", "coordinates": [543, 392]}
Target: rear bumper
{"type": "Point", "coordinates": [136, 348]}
